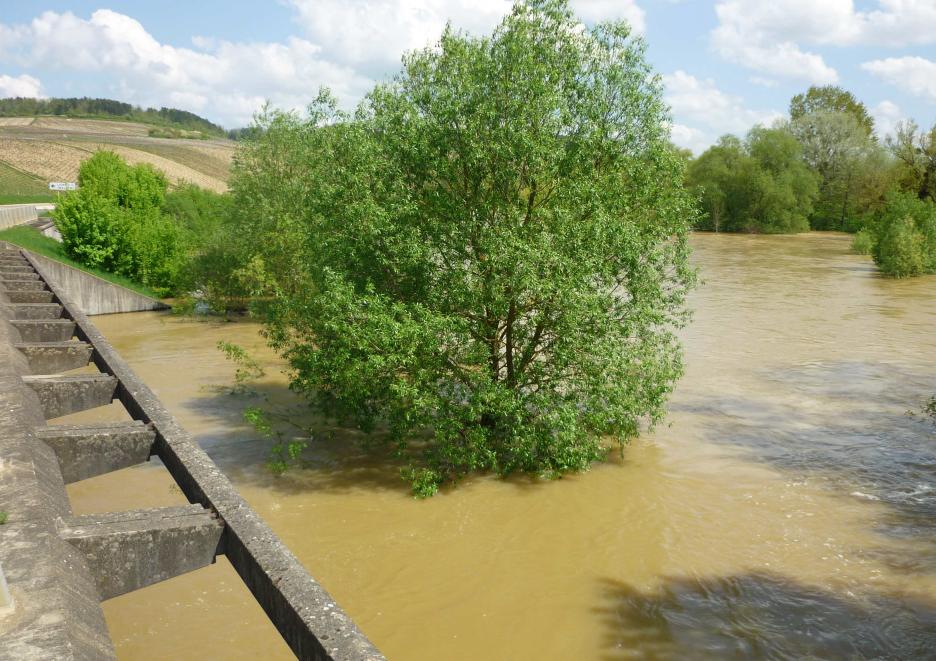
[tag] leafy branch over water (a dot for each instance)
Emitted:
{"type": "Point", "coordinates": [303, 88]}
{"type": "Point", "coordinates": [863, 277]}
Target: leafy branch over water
{"type": "Point", "coordinates": [267, 422]}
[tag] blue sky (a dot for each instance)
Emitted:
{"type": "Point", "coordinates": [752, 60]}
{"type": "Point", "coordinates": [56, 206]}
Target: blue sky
{"type": "Point", "coordinates": [726, 65]}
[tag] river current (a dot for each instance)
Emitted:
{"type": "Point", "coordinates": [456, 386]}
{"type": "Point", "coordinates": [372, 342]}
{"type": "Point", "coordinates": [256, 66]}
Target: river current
{"type": "Point", "coordinates": [786, 508]}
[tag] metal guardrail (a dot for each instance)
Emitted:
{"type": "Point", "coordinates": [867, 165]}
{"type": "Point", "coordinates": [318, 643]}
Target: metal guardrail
{"type": "Point", "coordinates": [307, 617]}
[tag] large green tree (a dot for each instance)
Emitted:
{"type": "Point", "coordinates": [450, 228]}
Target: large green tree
{"type": "Point", "coordinates": [759, 185]}
{"type": "Point", "coordinates": [837, 147]}
{"type": "Point", "coordinates": [489, 258]}
{"type": "Point", "coordinates": [915, 150]}
{"type": "Point", "coordinates": [832, 99]}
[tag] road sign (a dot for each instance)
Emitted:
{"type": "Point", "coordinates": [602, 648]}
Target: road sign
{"type": "Point", "coordinates": [62, 185]}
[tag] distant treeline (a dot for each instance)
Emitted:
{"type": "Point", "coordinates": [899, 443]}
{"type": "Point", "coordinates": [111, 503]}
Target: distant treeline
{"type": "Point", "coordinates": [246, 133]}
{"type": "Point", "coordinates": [108, 108]}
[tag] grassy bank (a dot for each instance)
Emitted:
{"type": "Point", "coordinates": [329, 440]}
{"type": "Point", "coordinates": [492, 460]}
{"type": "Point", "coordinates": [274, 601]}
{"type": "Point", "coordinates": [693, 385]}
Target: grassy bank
{"type": "Point", "coordinates": [26, 199]}
{"type": "Point", "coordinates": [32, 239]}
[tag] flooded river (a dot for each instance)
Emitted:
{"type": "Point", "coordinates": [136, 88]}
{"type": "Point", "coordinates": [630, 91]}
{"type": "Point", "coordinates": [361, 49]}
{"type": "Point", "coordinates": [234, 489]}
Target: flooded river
{"type": "Point", "coordinates": [786, 509]}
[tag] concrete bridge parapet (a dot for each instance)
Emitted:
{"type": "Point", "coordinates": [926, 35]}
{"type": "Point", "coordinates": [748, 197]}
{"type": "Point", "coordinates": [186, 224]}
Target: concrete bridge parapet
{"type": "Point", "coordinates": [59, 566]}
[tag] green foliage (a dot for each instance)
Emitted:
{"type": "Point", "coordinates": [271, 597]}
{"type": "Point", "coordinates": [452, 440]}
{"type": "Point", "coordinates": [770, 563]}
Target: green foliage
{"type": "Point", "coordinates": [3, 517]}
{"type": "Point", "coordinates": [905, 236]}
{"type": "Point", "coordinates": [832, 99]}
{"type": "Point", "coordinates": [32, 239]}
{"type": "Point", "coordinates": [114, 222]}
{"type": "Point", "coordinates": [915, 151]}
{"type": "Point", "coordinates": [285, 451]}
{"type": "Point", "coordinates": [838, 148]}
{"type": "Point", "coordinates": [899, 249]}
{"type": "Point", "coordinates": [759, 185]}
{"type": "Point", "coordinates": [206, 220]}
{"type": "Point", "coordinates": [248, 368]}
{"type": "Point", "coordinates": [929, 409]}
{"type": "Point", "coordinates": [489, 257]}
{"type": "Point", "coordinates": [863, 242]}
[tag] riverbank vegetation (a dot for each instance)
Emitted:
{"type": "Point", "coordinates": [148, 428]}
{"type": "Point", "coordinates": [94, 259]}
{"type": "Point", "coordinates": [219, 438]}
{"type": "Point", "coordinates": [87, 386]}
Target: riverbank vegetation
{"type": "Point", "coordinates": [124, 220]}
{"type": "Point", "coordinates": [32, 239]}
{"type": "Point", "coordinates": [825, 169]}
{"type": "Point", "coordinates": [489, 267]}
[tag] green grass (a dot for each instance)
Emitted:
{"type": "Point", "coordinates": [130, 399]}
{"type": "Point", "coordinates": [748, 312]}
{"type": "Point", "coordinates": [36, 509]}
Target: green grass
{"type": "Point", "coordinates": [16, 184]}
{"type": "Point", "coordinates": [34, 240]}
{"type": "Point", "coordinates": [25, 199]}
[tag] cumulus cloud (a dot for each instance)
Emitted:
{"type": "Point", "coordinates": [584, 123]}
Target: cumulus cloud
{"type": "Point", "coordinates": [345, 46]}
{"type": "Point", "coordinates": [225, 80]}
{"type": "Point", "coordinates": [24, 85]}
{"type": "Point", "coordinates": [710, 111]}
{"type": "Point", "coordinates": [886, 115]}
{"type": "Point", "coordinates": [373, 35]}
{"type": "Point", "coordinates": [766, 36]}
{"type": "Point", "coordinates": [916, 75]}
{"type": "Point", "coordinates": [746, 36]}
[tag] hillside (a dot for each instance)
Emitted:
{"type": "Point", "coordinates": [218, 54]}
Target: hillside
{"type": "Point", "coordinates": [37, 150]}
{"type": "Point", "coordinates": [164, 123]}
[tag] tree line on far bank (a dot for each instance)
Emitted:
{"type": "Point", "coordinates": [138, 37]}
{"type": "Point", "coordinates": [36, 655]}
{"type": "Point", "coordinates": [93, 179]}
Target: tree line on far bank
{"type": "Point", "coordinates": [825, 169]}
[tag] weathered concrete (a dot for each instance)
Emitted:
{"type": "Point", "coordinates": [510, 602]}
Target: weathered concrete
{"type": "Point", "coordinates": [56, 613]}
{"type": "Point", "coordinates": [308, 618]}
{"type": "Point", "coordinates": [55, 357]}
{"type": "Point", "coordinates": [35, 310]}
{"type": "Point", "coordinates": [27, 296]}
{"type": "Point", "coordinates": [19, 275]}
{"type": "Point", "coordinates": [23, 285]}
{"type": "Point", "coordinates": [62, 395]}
{"type": "Point", "coordinates": [127, 551]}
{"type": "Point", "coordinates": [8, 269]}
{"type": "Point", "coordinates": [44, 330]}
{"type": "Point", "coordinates": [92, 294]}
{"type": "Point", "coordinates": [84, 451]}
{"type": "Point", "coordinates": [18, 214]}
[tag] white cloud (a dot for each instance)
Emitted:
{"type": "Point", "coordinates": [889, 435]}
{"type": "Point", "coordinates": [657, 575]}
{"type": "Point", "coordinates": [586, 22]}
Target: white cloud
{"type": "Point", "coordinates": [886, 115]}
{"type": "Point", "coordinates": [916, 75]}
{"type": "Point", "coordinates": [593, 11]}
{"type": "Point", "coordinates": [24, 85]}
{"type": "Point", "coordinates": [711, 111]}
{"type": "Point", "coordinates": [746, 36]}
{"type": "Point", "coordinates": [373, 35]}
{"type": "Point", "coordinates": [766, 36]}
{"type": "Point", "coordinates": [224, 80]}
{"type": "Point", "coordinates": [348, 43]}
{"type": "Point", "coordinates": [689, 138]}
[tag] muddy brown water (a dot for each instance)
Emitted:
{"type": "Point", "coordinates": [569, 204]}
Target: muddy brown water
{"type": "Point", "coordinates": [786, 509]}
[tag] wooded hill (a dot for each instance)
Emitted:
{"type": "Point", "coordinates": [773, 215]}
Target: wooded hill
{"type": "Point", "coordinates": [87, 108]}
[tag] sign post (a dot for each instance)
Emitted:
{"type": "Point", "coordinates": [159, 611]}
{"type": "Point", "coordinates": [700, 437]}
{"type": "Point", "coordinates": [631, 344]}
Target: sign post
{"type": "Point", "coordinates": [63, 185]}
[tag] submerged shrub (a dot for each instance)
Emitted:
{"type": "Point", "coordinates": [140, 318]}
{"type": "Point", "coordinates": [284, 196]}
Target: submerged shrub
{"type": "Point", "coordinates": [905, 236]}
{"type": "Point", "coordinates": [863, 242]}
{"type": "Point", "coordinates": [487, 260]}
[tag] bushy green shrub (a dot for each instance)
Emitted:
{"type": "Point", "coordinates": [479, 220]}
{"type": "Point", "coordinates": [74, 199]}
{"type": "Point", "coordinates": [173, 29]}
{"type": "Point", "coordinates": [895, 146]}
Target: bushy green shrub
{"type": "Point", "coordinates": [899, 249]}
{"type": "Point", "coordinates": [905, 236]}
{"type": "Point", "coordinates": [217, 246]}
{"type": "Point", "coordinates": [115, 222]}
{"type": "Point", "coordinates": [91, 229]}
{"type": "Point", "coordinates": [863, 242]}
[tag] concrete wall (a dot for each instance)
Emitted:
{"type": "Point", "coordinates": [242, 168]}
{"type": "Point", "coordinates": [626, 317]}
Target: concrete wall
{"type": "Point", "coordinates": [19, 214]}
{"type": "Point", "coordinates": [55, 612]}
{"type": "Point", "coordinates": [92, 294]}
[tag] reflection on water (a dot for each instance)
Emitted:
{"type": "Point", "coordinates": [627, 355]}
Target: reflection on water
{"type": "Point", "coordinates": [786, 510]}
